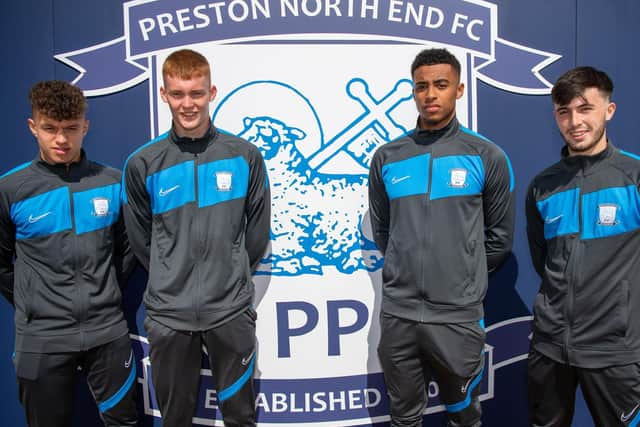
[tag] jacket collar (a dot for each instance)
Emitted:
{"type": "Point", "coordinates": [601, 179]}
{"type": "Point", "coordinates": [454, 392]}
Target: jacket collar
{"type": "Point", "coordinates": [429, 136]}
{"type": "Point", "coordinates": [193, 145]}
{"type": "Point", "coordinates": [587, 163]}
{"type": "Point", "coordinates": [68, 172]}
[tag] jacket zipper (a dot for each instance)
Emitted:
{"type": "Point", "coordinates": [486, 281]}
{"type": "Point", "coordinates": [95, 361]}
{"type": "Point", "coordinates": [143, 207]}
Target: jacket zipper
{"type": "Point", "coordinates": [573, 276]}
{"type": "Point", "coordinates": [426, 231]}
{"type": "Point", "coordinates": [197, 239]}
{"type": "Point", "coordinates": [79, 289]}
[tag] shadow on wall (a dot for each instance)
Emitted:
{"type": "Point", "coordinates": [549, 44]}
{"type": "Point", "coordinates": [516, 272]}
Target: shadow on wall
{"type": "Point", "coordinates": [502, 301]}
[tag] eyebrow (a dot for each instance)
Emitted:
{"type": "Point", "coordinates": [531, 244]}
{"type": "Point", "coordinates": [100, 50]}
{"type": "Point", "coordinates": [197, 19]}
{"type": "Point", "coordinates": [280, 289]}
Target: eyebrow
{"type": "Point", "coordinates": [436, 81]}
{"type": "Point", "coordinates": [584, 103]}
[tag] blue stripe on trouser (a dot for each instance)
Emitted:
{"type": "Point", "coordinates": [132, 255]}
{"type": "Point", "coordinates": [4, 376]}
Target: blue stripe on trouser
{"type": "Point", "coordinates": [116, 398]}
{"type": "Point", "coordinates": [235, 387]}
{"type": "Point", "coordinates": [635, 420]}
{"type": "Point", "coordinates": [457, 407]}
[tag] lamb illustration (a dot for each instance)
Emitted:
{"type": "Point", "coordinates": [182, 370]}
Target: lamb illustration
{"type": "Point", "coordinates": [316, 218]}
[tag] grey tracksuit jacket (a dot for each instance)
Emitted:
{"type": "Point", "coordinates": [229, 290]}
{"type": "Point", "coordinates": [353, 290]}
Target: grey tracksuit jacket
{"type": "Point", "coordinates": [198, 218]}
{"type": "Point", "coordinates": [442, 213]}
{"type": "Point", "coordinates": [63, 254]}
{"type": "Point", "coordinates": [583, 225]}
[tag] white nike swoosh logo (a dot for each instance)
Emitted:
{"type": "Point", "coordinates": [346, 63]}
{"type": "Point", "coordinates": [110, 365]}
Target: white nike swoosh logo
{"type": "Point", "coordinates": [33, 219]}
{"type": "Point", "coordinates": [163, 193]}
{"type": "Point", "coordinates": [625, 417]}
{"type": "Point", "coordinates": [128, 362]}
{"type": "Point", "coordinates": [395, 180]}
{"type": "Point", "coordinates": [464, 388]}
{"type": "Point", "coordinates": [246, 360]}
{"type": "Point", "coordinates": [552, 220]}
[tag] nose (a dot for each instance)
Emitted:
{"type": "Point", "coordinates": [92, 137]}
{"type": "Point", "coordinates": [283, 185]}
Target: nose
{"type": "Point", "coordinates": [61, 137]}
{"type": "Point", "coordinates": [574, 118]}
{"type": "Point", "coordinates": [430, 92]}
{"type": "Point", "coordinates": [188, 102]}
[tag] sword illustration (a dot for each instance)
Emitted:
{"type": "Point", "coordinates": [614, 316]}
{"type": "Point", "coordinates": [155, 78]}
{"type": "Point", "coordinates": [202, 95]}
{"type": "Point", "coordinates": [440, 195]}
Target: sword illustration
{"type": "Point", "coordinates": [372, 128]}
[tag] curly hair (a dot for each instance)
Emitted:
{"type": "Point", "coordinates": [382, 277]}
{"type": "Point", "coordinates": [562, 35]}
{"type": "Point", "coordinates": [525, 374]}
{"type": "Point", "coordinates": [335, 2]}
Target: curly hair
{"type": "Point", "coordinates": [58, 100]}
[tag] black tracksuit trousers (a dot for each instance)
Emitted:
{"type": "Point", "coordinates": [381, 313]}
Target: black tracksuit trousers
{"type": "Point", "coordinates": [176, 359]}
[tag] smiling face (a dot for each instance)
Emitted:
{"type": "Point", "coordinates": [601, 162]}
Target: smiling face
{"type": "Point", "coordinates": [59, 141]}
{"type": "Point", "coordinates": [435, 91]}
{"type": "Point", "coordinates": [582, 122]}
{"type": "Point", "coordinates": [188, 100]}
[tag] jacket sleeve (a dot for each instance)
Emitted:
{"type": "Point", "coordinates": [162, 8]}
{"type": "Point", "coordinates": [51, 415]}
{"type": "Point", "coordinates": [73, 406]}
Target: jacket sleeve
{"type": "Point", "coordinates": [378, 204]}
{"type": "Point", "coordinates": [124, 259]}
{"type": "Point", "coordinates": [257, 210]}
{"type": "Point", "coordinates": [7, 249]}
{"type": "Point", "coordinates": [535, 232]}
{"type": "Point", "coordinates": [136, 208]}
{"type": "Point", "coordinates": [498, 200]}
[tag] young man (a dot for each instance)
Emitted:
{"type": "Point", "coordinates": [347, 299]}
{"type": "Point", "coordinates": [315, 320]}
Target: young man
{"type": "Point", "coordinates": [198, 205]}
{"type": "Point", "coordinates": [442, 213]}
{"type": "Point", "coordinates": [63, 254]}
{"type": "Point", "coordinates": [583, 224]}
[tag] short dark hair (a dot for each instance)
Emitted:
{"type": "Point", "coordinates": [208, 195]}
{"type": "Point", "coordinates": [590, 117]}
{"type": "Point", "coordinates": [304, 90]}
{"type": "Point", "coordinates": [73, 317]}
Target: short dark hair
{"type": "Point", "coordinates": [58, 100]}
{"type": "Point", "coordinates": [433, 57]}
{"type": "Point", "coordinates": [574, 82]}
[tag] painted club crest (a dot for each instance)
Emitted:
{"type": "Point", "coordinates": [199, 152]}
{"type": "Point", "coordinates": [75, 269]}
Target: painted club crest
{"type": "Point", "coordinates": [317, 103]}
{"type": "Point", "coordinates": [317, 139]}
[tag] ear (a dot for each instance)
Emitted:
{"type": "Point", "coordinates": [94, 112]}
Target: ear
{"type": "Point", "coordinates": [163, 94]}
{"type": "Point", "coordinates": [85, 127]}
{"type": "Point", "coordinates": [460, 91]}
{"type": "Point", "coordinates": [212, 93]}
{"type": "Point", "coordinates": [32, 127]}
{"type": "Point", "coordinates": [611, 109]}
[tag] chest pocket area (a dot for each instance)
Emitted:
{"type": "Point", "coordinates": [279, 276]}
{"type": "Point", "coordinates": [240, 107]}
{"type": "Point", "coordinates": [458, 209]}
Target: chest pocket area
{"type": "Point", "coordinates": [455, 176]}
{"type": "Point", "coordinates": [172, 187]}
{"type": "Point", "coordinates": [222, 180]}
{"type": "Point", "coordinates": [610, 211]}
{"type": "Point", "coordinates": [560, 213]}
{"type": "Point", "coordinates": [96, 208]}
{"type": "Point", "coordinates": [406, 177]}
{"type": "Point", "coordinates": [42, 215]}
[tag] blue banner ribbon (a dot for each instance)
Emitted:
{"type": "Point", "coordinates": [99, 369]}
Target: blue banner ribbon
{"type": "Point", "coordinates": [153, 26]}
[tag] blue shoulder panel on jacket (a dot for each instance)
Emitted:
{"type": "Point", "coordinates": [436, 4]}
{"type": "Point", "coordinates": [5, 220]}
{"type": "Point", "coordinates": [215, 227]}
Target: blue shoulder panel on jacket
{"type": "Point", "coordinates": [455, 176]}
{"type": "Point", "coordinates": [512, 178]}
{"type": "Point", "coordinates": [172, 187]}
{"type": "Point", "coordinates": [222, 180]}
{"type": "Point", "coordinates": [16, 169]}
{"type": "Point", "coordinates": [406, 177]}
{"type": "Point", "coordinates": [153, 141]}
{"type": "Point", "coordinates": [628, 154]}
{"type": "Point", "coordinates": [560, 213]}
{"type": "Point", "coordinates": [470, 132]}
{"type": "Point", "coordinates": [41, 215]}
{"type": "Point", "coordinates": [610, 211]}
{"type": "Point", "coordinates": [96, 208]}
